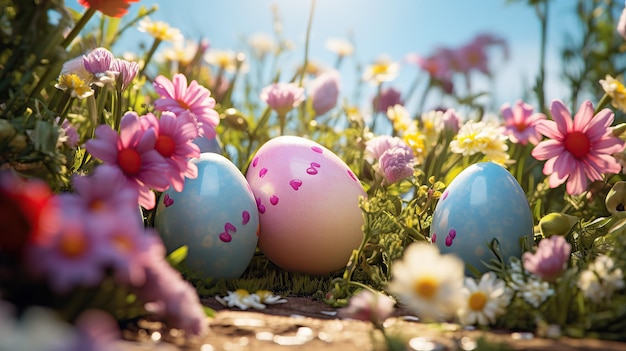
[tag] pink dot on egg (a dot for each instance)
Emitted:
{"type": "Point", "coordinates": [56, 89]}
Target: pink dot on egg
{"type": "Point", "coordinates": [317, 149]}
{"type": "Point", "coordinates": [255, 162]}
{"type": "Point", "coordinates": [245, 217]}
{"type": "Point", "coordinates": [448, 241]}
{"type": "Point", "coordinates": [433, 238]}
{"type": "Point", "coordinates": [445, 194]}
{"type": "Point", "coordinates": [229, 227]}
{"type": "Point", "coordinates": [315, 164]}
{"type": "Point", "coordinates": [262, 172]}
{"type": "Point", "coordinates": [261, 208]}
{"type": "Point", "coordinates": [225, 237]}
{"type": "Point", "coordinates": [295, 184]}
{"type": "Point", "coordinates": [274, 200]}
{"type": "Point", "coordinates": [452, 233]}
{"type": "Point", "coordinates": [352, 175]}
{"type": "Point", "coordinates": [311, 170]}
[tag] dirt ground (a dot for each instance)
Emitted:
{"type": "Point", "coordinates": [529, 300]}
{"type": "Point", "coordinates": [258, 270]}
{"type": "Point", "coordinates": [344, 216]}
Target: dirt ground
{"type": "Point", "coordinates": [305, 324]}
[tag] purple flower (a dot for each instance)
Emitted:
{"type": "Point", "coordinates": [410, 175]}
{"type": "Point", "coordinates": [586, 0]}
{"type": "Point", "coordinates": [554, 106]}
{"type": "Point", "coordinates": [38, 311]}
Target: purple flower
{"type": "Point", "coordinates": [166, 293]}
{"type": "Point", "coordinates": [451, 121]}
{"type": "Point", "coordinates": [367, 306]}
{"type": "Point", "coordinates": [282, 97]}
{"type": "Point", "coordinates": [550, 259]}
{"type": "Point", "coordinates": [126, 70]}
{"type": "Point", "coordinates": [388, 97]}
{"type": "Point", "coordinates": [324, 91]}
{"type": "Point", "coordinates": [396, 164]}
{"type": "Point", "coordinates": [98, 62]}
{"type": "Point", "coordinates": [376, 146]}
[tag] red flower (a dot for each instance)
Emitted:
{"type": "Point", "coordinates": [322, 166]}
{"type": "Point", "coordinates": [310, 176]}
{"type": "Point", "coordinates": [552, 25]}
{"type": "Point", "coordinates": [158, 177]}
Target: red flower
{"type": "Point", "coordinates": [26, 213]}
{"type": "Point", "coordinates": [113, 8]}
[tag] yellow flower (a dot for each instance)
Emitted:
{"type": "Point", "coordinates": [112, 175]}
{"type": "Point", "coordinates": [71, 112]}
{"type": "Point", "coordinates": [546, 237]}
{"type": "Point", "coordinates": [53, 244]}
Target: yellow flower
{"type": "Point", "coordinates": [432, 125]}
{"type": "Point", "coordinates": [485, 301]}
{"type": "Point", "coordinates": [399, 117]}
{"type": "Point", "coordinates": [77, 86]}
{"type": "Point", "coordinates": [223, 59]}
{"type": "Point", "coordinates": [616, 90]}
{"type": "Point", "coordinates": [383, 70]}
{"type": "Point", "coordinates": [417, 141]}
{"type": "Point", "coordinates": [159, 30]}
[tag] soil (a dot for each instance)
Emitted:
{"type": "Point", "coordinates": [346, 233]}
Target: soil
{"type": "Point", "coordinates": [305, 324]}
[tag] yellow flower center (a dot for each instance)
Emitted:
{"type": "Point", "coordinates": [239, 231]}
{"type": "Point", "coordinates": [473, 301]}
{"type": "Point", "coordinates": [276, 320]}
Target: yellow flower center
{"type": "Point", "coordinates": [477, 301]}
{"type": "Point", "coordinates": [73, 244]}
{"type": "Point", "coordinates": [122, 243]}
{"type": "Point", "coordinates": [426, 287]}
{"type": "Point", "coordinates": [242, 292]}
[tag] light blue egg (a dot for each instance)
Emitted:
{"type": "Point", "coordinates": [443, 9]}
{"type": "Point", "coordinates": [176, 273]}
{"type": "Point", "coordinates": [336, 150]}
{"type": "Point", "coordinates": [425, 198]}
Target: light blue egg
{"type": "Point", "coordinates": [483, 202]}
{"type": "Point", "coordinates": [215, 216]}
{"type": "Point", "coordinates": [208, 145]}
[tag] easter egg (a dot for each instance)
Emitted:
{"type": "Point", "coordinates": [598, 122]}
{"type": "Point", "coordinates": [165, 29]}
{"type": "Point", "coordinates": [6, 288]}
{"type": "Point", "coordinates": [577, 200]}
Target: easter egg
{"type": "Point", "coordinates": [208, 145]}
{"type": "Point", "coordinates": [483, 202]}
{"type": "Point", "coordinates": [308, 204]}
{"type": "Point", "coordinates": [215, 215]}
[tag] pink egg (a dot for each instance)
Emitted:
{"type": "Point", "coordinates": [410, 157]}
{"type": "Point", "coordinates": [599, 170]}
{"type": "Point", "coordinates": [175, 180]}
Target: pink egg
{"type": "Point", "coordinates": [308, 202]}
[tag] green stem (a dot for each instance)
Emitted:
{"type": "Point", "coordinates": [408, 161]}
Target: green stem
{"type": "Point", "coordinates": [149, 55]}
{"type": "Point", "coordinates": [306, 43]}
{"type": "Point", "coordinates": [605, 100]}
{"type": "Point", "coordinates": [78, 27]}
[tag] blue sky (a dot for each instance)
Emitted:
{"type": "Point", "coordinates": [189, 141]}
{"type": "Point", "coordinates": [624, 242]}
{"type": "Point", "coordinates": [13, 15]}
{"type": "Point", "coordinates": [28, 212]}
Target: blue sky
{"type": "Point", "coordinates": [393, 27]}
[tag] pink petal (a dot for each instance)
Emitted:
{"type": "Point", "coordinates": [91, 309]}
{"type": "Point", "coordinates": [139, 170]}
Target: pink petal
{"type": "Point", "coordinates": [547, 149]}
{"type": "Point", "coordinates": [583, 116]}
{"type": "Point", "coordinates": [147, 199]}
{"type": "Point", "coordinates": [549, 129]}
{"type": "Point", "coordinates": [577, 182]}
{"type": "Point", "coordinates": [147, 141]}
{"type": "Point", "coordinates": [561, 116]}
{"type": "Point", "coordinates": [130, 129]}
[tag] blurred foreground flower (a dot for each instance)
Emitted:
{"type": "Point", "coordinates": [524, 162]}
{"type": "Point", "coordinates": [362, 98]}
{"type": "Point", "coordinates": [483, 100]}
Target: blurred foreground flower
{"type": "Point", "coordinates": [550, 259]}
{"type": "Point", "coordinates": [578, 150]}
{"type": "Point", "coordinates": [485, 301]}
{"type": "Point", "coordinates": [427, 282]}
{"type": "Point", "coordinates": [113, 8]}
{"type": "Point", "coordinates": [368, 306]}
{"type": "Point", "coordinates": [601, 279]}
{"type": "Point", "coordinates": [243, 299]}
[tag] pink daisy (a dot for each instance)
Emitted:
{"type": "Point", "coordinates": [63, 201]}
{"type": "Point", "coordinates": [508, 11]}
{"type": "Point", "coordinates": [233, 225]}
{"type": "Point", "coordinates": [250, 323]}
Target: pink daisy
{"type": "Point", "coordinates": [578, 150]}
{"type": "Point", "coordinates": [177, 97]}
{"type": "Point", "coordinates": [520, 122]}
{"type": "Point", "coordinates": [282, 97]}
{"type": "Point", "coordinates": [174, 143]}
{"type": "Point", "coordinates": [133, 152]}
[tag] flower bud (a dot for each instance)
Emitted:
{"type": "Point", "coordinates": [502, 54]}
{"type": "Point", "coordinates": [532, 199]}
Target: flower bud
{"type": "Point", "coordinates": [616, 199]}
{"type": "Point", "coordinates": [619, 129]}
{"type": "Point", "coordinates": [556, 224]}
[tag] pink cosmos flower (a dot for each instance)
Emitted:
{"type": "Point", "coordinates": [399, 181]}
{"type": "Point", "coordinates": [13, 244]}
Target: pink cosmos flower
{"type": "Point", "coordinates": [282, 97]}
{"type": "Point", "coordinates": [324, 91]}
{"type": "Point", "coordinates": [177, 97]}
{"type": "Point", "coordinates": [174, 143]}
{"type": "Point", "coordinates": [520, 122]}
{"type": "Point", "coordinates": [367, 306]}
{"type": "Point", "coordinates": [133, 152]}
{"type": "Point", "coordinates": [578, 150]}
{"type": "Point", "coordinates": [550, 259]}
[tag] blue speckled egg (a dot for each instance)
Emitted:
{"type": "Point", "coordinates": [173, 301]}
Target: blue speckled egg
{"type": "Point", "coordinates": [215, 216]}
{"type": "Point", "coordinates": [483, 202]}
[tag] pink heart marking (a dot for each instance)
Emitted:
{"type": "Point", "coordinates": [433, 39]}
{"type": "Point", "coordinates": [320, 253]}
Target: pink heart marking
{"type": "Point", "coordinates": [295, 184]}
{"type": "Point", "coordinates": [315, 164]}
{"type": "Point", "coordinates": [274, 200]}
{"type": "Point", "coordinates": [317, 149]}
{"type": "Point", "coordinates": [229, 227]}
{"type": "Point", "coordinates": [245, 217]}
{"type": "Point", "coordinates": [167, 200]}
{"type": "Point", "coordinates": [225, 237]}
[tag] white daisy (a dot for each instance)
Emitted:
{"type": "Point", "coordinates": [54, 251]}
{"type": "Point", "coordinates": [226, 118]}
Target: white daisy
{"type": "Point", "coordinates": [485, 301]}
{"type": "Point", "coordinates": [242, 299]}
{"type": "Point", "coordinates": [428, 282]}
{"type": "Point", "coordinates": [532, 288]}
{"type": "Point", "coordinates": [601, 279]}
{"type": "Point", "coordinates": [267, 297]}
